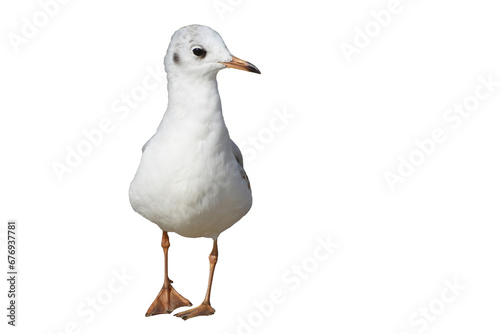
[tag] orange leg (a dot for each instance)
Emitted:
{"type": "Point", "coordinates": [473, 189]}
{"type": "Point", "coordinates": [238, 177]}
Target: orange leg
{"type": "Point", "coordinates": [204, 308]}
{"type": "Point", "coordinates": [168, 299]}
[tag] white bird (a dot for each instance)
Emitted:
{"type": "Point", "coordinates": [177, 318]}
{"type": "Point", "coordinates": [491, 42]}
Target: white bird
{"type": "Point", "coordinates": [191, 179]}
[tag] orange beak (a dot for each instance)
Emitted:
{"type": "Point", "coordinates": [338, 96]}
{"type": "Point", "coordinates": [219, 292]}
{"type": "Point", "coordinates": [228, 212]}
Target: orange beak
{"type": "Point", "coordinates": [241, 64]}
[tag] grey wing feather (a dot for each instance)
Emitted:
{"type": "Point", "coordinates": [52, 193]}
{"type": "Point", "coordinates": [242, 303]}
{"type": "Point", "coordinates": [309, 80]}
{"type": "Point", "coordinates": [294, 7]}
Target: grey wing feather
{"type": "Point", "coordinates": [146, 144]}
{"type": "Point", "coordinates": [239, 158]}
{"type": "Point", "coordinates": [237, 153]}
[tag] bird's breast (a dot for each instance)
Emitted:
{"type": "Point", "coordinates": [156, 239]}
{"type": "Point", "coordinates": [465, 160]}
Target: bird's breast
{"type": "Point", "coordinates": [190, 184]}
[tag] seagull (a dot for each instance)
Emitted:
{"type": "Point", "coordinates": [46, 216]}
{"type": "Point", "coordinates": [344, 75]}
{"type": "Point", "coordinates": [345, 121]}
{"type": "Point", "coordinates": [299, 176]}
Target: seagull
{"type": "Point", "coordinates": [190, 178]}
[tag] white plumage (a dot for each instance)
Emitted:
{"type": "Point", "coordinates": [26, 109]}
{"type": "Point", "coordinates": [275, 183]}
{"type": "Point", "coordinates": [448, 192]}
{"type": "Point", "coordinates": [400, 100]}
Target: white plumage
{"type": "Point", "coordinates": [189, 180]}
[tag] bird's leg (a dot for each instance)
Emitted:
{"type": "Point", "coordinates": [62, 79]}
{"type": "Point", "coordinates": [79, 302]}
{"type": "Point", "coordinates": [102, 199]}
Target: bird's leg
{"type": "Point", "coordinates": [168, 299]}
{"type": "Point", "coordinates": [204, 308]}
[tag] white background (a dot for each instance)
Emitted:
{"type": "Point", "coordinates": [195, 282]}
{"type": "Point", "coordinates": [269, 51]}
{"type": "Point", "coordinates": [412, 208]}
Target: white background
{"type": "Point", "coordinates": [320, 175]}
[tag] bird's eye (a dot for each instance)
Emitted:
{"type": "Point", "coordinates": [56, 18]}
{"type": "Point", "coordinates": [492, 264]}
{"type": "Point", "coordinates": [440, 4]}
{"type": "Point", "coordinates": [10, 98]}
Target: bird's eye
{"type": "Point", "coordinates": [199, 52]}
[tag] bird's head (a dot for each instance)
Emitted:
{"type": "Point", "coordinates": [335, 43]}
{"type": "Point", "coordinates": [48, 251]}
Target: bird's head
{"type": "Point", "coordinates": [199, 50]}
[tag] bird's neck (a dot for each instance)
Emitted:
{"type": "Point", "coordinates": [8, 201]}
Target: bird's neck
{"type": "Point", "coordinates": [193, 97]}
{"type": "Point", "coordinates": [194, 112]}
